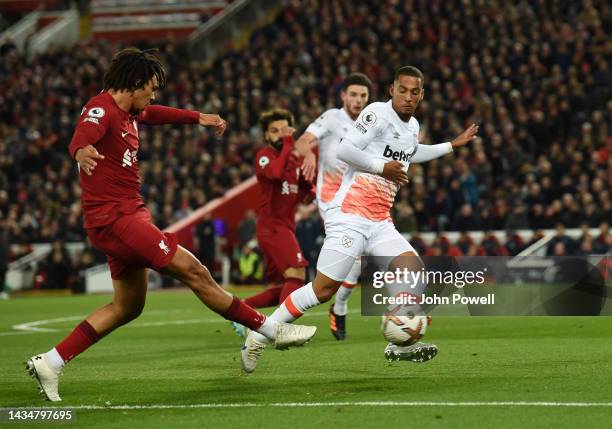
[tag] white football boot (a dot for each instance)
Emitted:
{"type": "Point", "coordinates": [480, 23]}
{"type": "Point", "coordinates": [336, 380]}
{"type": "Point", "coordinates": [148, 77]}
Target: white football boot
{"type": "Point", "coordinates": [251, 352]}
{"type": "Point", "coordinates": [287, 335]}
{"type": "Point", "coordinates": [45, 375]}
{"type": "Point", "coordinates": [418, 352]}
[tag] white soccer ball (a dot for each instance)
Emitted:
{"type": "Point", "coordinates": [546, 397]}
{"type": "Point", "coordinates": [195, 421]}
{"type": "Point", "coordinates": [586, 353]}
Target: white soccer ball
{"type": "Point", "coordinates": [404, 330]}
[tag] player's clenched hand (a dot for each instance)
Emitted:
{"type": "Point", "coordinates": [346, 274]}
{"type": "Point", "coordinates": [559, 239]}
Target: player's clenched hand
{"type": "Point", "coordinates": [215, 121]}
{"type": "Point", "coordinates": [466, 136]}
{"type": "Point", "coordinates": [394, 171]}
{"type": "Point", "coordinates": [309, 166]}
{"type": "Point", "coordinates": [86, 157]}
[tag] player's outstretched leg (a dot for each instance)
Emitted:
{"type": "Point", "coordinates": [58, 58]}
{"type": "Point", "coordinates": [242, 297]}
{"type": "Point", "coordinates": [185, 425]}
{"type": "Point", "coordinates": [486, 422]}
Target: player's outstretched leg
{"type": "Point", "coordinates": [319, 291]}
{"type": "Point", "coordinates": [186, 268]}
{"type": "Point", "coordinates": [273, 295]}
{"type": "Point", "coordinates": [267, 298]}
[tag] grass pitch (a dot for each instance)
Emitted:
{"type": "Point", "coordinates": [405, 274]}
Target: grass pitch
{"type": "Point", "coordinates": [178, 365]}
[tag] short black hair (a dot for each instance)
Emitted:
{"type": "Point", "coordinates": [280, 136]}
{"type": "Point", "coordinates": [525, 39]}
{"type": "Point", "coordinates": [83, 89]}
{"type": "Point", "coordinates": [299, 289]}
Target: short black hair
{"type": "Point", "coordinates": [276, 114]}
{"type": "Point", "coordinates": [357, 79]}
{"type": "Point", "coordinates": [409, 71]}
{"type": "Point", "coordinates": [132, 68]}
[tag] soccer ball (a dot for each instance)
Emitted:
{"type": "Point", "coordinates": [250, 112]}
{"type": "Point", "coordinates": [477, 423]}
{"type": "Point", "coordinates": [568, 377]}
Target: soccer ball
{"type": "Point", "coordinates": [404, 330]}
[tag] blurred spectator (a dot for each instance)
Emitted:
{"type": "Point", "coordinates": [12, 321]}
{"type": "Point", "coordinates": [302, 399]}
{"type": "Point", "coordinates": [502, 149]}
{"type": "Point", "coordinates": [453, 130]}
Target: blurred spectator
{"type": "Point", "coordinates": [537, 219]}
{"type": "Point", "coordinates": [514, 243]}
{"type": "Point", "coordinates": [466, 220]}
{"type": "Point", "coordinates": [309, 233]}
{"type": "Point", "coordinates": [518, 219]}
{"type": "Point", "coordinates": [405, 220]}
{"type": "Point", "coordinates": [205, 242]}
{"type": "Point", "coordinates": [569, 245]}
{"type": "Point", "coordinates": [559, 249]}
{"type": "Point", "coordinates": [250, 266]}
{"type": "Point", "coordinates": [603, 242]}
{"type": "Point", "coordinates": [56, 270]}
{"type": "Point", "coordinates": [467, 182]}
{"type": "Point", "coordinates": [246, 228]}
{"type": "Point", "coordinates": [465, 242]}
{"type": "Point", "coordinates": [490, 245]}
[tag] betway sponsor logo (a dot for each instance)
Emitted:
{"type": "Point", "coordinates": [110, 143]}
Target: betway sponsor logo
{"type": "Point", "coordinates": [398, 155]}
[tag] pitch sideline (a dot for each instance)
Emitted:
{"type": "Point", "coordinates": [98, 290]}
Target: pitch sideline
{"type": "Point", "coordinates": [34, 326]}
{"type": "Point", "coordinates": [544, 404]}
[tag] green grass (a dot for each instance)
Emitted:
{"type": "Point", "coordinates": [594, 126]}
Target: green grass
{"type": "Point", "coordinates": [179, 353]}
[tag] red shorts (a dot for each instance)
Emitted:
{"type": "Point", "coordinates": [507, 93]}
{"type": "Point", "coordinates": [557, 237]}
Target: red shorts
{"type": "Point", "coordinates": [281, 251]}
{"type": "Point", "coordinates": [132, 242]}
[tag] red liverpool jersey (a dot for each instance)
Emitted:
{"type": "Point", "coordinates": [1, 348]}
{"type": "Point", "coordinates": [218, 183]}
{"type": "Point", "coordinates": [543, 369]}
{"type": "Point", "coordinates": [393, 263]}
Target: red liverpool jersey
{"type": "Point", "coordinates": [114, 186]}
{"type": "Point", "coordinates": [282, 186]}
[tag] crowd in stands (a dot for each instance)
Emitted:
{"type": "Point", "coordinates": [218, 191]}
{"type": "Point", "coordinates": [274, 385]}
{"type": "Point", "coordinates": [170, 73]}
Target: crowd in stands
{"type": "Point", "coordinates": [535, 75]}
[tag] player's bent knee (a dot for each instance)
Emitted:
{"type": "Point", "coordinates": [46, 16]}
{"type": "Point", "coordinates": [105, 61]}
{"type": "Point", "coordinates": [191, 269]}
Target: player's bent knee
{"type": "Point", "coordinates": [127, 314]}
{"type": "Point", "coordinates": [325, 287]}
{"type": "Point", "coordinates": [328, 292]}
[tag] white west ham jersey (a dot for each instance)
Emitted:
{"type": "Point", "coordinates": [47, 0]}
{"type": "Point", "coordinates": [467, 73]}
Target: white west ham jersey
{"type": "Point", "coordinates": [329, 128]}
{"type": "Point", "coordinates": [380, 134]}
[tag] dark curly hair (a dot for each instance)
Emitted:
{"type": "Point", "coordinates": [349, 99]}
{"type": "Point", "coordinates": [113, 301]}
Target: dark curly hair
{"type": "Point", "coordinates": [132, 68]}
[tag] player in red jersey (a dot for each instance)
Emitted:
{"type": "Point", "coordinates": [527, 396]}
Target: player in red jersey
{"type": "Point", "coordinates": [105, 145]}
{"type": "Point", "coordinates": [277, 167]}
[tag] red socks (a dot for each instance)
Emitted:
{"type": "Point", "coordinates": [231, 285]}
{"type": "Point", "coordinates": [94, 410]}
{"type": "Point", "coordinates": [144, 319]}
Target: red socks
{"type": "Point", "coordinates": [240, 312]}
{"type": "Point", "coordinates": [79, 340]}
{"type": "Point", "coordinates": [267, 298]}
{"type": "Point", "coordinates": [274, 295]}
{"type": "Point", "coordinates": [291, 284]}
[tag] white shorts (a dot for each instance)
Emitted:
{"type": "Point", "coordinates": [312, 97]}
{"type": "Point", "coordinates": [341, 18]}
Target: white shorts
{"type": "Point", "coordinates": [353, 275]}
{"type": "Point", "coordinates": [349, 236]}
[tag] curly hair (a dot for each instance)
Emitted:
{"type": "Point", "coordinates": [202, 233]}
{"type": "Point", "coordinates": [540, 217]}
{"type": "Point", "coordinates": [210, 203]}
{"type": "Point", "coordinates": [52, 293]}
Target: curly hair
{"type": "Point", "coordinates": [132, 68]}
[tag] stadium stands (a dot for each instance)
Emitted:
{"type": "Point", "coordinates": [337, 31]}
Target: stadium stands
{"type": "Point", "coordinates": [536, 77]}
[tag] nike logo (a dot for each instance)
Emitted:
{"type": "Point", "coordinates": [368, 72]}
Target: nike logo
{"type": "Point", "coordinates": [123, 134]}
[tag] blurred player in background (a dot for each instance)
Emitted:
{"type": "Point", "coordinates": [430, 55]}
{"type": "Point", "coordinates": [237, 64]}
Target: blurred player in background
{"type": "Point", "coordinates": [282, 188]}
{"type": "Point", "coordinates": [325, 134]}
{"type": "Point", "coordinates": [378, 149]}
{"type": "Point", "coordinates": [105, 145]}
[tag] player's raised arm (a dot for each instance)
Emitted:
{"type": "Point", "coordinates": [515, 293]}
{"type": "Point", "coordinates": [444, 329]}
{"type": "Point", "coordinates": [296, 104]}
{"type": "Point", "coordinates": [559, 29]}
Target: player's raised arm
{"type": "Point", "coordinates": [158, 115]}
{"type": "Point", "coordinates": [429, 152]}
{"type": "Point", "coordinates": [274, 168]}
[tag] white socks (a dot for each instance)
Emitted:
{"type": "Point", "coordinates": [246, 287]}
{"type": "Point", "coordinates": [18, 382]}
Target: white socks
{"type": "Point", "coordinates": [342, 296]}
{"type": "Point", "coordinates": [292, 308]}
{"type": "Point", "coordinates": [268, 329]}
{"type": "Point", "coordinates": [54, 359]}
